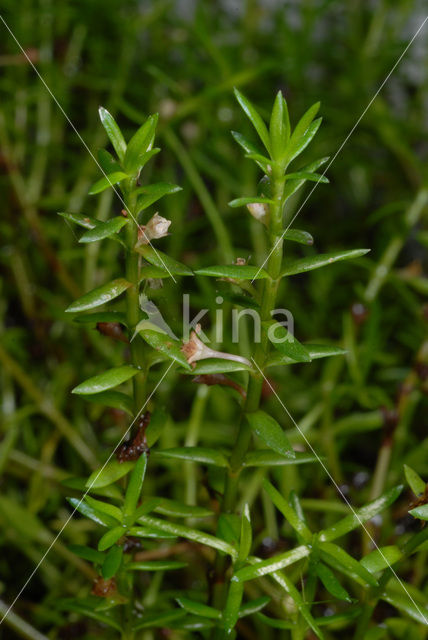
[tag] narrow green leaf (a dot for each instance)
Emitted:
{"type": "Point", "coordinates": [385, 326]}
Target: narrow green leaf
{"type": "Point", "coordinates": [87, 553]}
{"type": "Point", "coordinates": [108, 474]}
{"type": "Point", "coordinates": [275, 624]}
{"type": "Point", "coordinates": [111, 537]}
{"type": "Point", "coordinates": [101, 316]}
{"type": "Point", "coordinates": [246, 538]}
{"type": "Point", "coordinates": [241, 202]}
{"type": "Point", "coordinates": [140, 143]}
{"type": "Point", "coordinates": [354, 520]}
{"type": "Point", "coordinates": [321, 260]}
{"type": "Point", "coordinates": [272, 565]}
{"type": "Point", "coordinates": [107, 181]}
{"type": "Point", "coordinates": [270, 432]}
{"type": "Point", "coordinates": [79, 484]}
{"type": "Point", "coordinates": [115, 399]}
{"type": "Point", "coordinates": [291, 186]}
{"type": "Point", "coordinates": [199, 609]}
{"type": "Point", "coordinates": [381, 558]}
{"type": "Point", "coordinates": [149, 194]}
{"type": "Point", "coordinates": [106, 380]}
{"type": "Point", "coordinates": [135, 484]}
{"type": "Point", "coordinates": [421, 513]}
{"type": "Point", "coordinates": [265, 458]}
{"type": "Point", "coordinates": [155, 427]}
{"type": "Point", "coordinates": [284, 342]}
{"type": "Point", "coordinates": [331, 583]}
{"type": "Point", "coordinates": [147, 506]}
{"type": "Point", "coordinates": [315, 351]}
{"type": "Point", "coordinates": [414, 480]}
{"type": "Point", "coordinates": [161, 341]}
{"type": "Point", "coordinates": [182, 531]}
{"type": "Point", "coordinates": [296, 149]}
{"type": "Point", "coordinates": [195, 454]}
{"type": "Point", "coordinates": [249, 608]}
{"type": "Point", "coordinates": [296, 235]}
{"type": "Point", "coordinates": [339, 559]}
{"type": "Point", "coordinates": [107, 162]}
{"type": "Point", "coordinates": [302, 175]}
{"type": "Point", "coordinates": [156, 565]}
{"type": "Point", "coordinates": [254, 117]}
{"type": "Point", "coordinates": [162, 261]}
{"type": "Point", "coordinates": [286, 583]}
{"type": "Point", "coordinates": [304, 123]}
{"type": "Point", "coordinates": [104, 230]}
{"type": "Point", "coordinates": [229, 528]}
{"type": "Point", "coordinates": [112, 562]}
{"type": "Point", "coordinates": [86, 607]}
{"type": "Point", "coordinates": [233, 604]}
{"type": "Point", "coordinates": [246, 144]}
{"type": "Point", "coordinates": [113, 132]}
{"type": "Point", "coordinates": [236, 272]}
{"type": "Point", "coordinates": [397, 595]}
{"type": "Point", "coordinates": [81, 220]}
{"type": "Point", "coordinates": [105, 507]}
{"type": "Point", "coordinates": [288, 512]}
{"type": "Point", "coordinates": [217, 365]}
{"type": "Point", "coordinates": [262, 161]}
{"type": "Point", "coordinates": [177, 509]}
{"type": "Point", "coordinates": [278, 132]}
{"type": "Point", "coordinates": [100, 295]}
{"type": "Point", "coordinates": [93, 514]}
{"type": "Point", "coordinates": [160, 619]}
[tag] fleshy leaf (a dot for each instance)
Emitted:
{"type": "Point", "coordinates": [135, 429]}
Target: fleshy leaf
{"type": "Point", "coordinates": [254, 117]}
{"type": "Point", "coordinates": [240, 202]}
{"type": "Point", "coordinates": [135, 484]}
{"type": "Point", "coordinates": [270, 432]}
{"type": "Point", "coordinates": [113, 132]}
{"type": "Point", "coordinates": [161, 341]}
{"type": "Point", "coordinates": [104, 230]}
{"type": "Point", "coordinates": [106, 380]}
{"type": "Point", "coordinates": [414, 480]}
{"type": "Point", "coordinates": [162, 261]}
{"type": "Point", "coordinates": [195, 454]}
{"type": "Point", "coordinates": [296, 235]}
{"type": "Point", "coordinates": [354, 520]}
{"type": "Point", "coordinates": [285, 342]}
{"type": "Point", "coordinates": [140, 143]}
{"type": "Point", "coordinates": [112, 471]}
{"type": "Point", "coordinates": [107, 181]}
{"type": "Point", "coordinates": [302, 265]}
{"type": "Point", "coordinates": [112, 562]}
{"type": "Point", "coordinates": [381, 558]}
{"type": "Point", "coordinates": [331, 583]}
{"type": "Point", "coordinates": [100, 295]}
{"type": "Point", "coordinates": [236, 272]}
{"type": "Point", "coordinates": [267, 458]}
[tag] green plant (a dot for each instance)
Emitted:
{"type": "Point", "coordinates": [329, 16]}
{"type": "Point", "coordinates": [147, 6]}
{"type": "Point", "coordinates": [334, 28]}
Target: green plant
{"type": "Point", "coordinates": [128, 515]}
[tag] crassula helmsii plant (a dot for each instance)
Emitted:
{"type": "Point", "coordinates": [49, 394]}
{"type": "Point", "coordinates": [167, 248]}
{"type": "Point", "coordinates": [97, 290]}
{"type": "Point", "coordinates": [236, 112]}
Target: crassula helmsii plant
{"type": "Point", "coordinates": [287, 585]}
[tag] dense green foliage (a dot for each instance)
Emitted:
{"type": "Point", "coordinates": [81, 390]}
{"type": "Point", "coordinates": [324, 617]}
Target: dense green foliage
{"type": "Point", "coordinates": [216, 519]}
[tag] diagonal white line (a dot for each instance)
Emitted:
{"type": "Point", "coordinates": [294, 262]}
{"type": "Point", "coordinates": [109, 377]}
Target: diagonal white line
{"type": "Point", "coordinates": [80, 502]}
{"type": "Point", "coordinates": [343, 144]}
{"type": "Point", "coordinates": [83, 142]}
{"type": "Point", "coordinates": [342, 495]}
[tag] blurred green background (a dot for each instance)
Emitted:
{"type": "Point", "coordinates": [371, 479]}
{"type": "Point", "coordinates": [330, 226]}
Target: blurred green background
{"type": "Point", "coordinates": [364, 412]}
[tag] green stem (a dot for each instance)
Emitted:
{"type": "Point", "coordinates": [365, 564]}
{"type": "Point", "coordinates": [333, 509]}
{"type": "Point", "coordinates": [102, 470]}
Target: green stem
{"type": "Point", "coordinates": [133, 302]}
{"type": "Point", "coordinates": [255, 383]}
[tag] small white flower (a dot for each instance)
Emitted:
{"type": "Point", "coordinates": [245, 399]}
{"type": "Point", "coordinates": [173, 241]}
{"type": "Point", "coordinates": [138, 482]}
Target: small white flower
{"type": "Point", "coordinates": [195, 350]}
{"type": "Point", "coordinates": [157, 227]}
